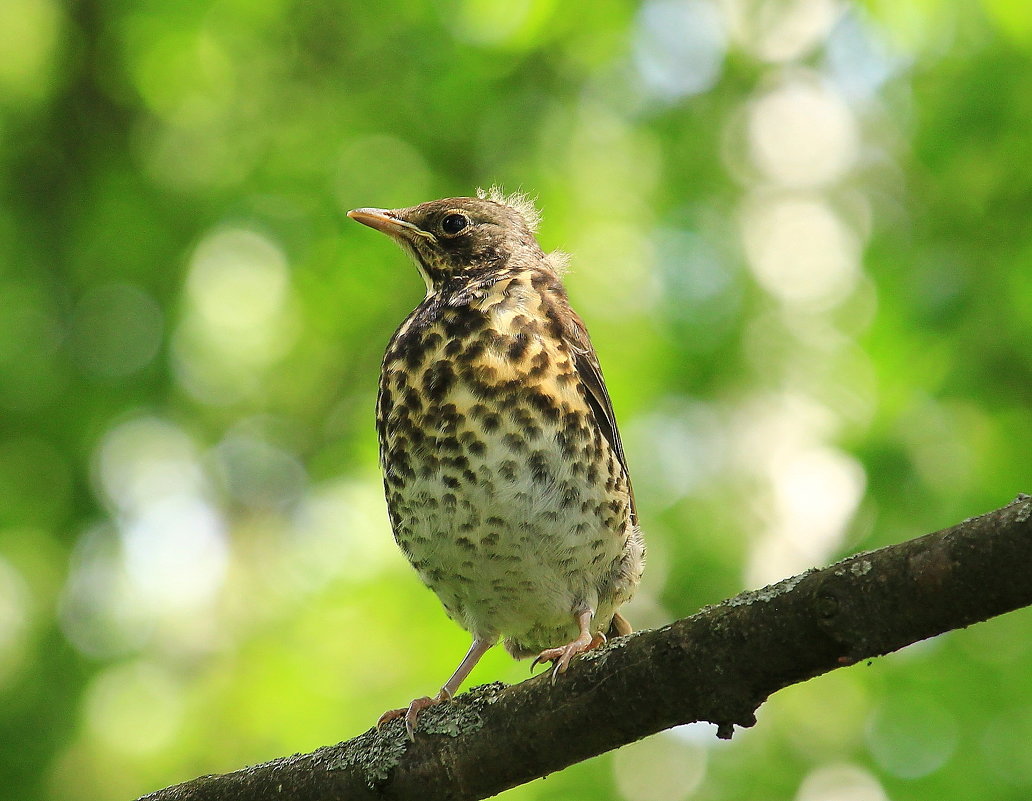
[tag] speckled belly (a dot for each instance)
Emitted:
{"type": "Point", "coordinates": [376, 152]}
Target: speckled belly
{"type": "Point", "coordinates": [509, 503]}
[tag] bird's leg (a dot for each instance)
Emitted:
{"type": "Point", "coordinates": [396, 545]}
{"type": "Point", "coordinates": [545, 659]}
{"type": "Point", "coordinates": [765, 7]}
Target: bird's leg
{"type": "Point", "coordinates": [562, 655]}
{"type": "Point", "coordinates": [411, 714]}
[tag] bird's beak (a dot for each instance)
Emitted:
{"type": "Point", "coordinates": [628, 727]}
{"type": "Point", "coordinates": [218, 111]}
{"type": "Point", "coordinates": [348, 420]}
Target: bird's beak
{"type": "Point", "coordinates": [387, 222]}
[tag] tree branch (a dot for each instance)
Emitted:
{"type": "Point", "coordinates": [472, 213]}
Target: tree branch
{"type": "Point", "coordinates": [718, 665]}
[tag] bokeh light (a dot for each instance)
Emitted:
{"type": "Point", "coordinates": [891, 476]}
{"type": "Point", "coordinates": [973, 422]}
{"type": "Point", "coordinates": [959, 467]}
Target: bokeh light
{"type": "Point", "coordinates": [675, 767]}
{"type": "Point", "coordinates": [800, 250]}
{"type": "Point", "coordinates": [840, 782]}
{"type": "Point", "coordinates": [912, 735]}
{"type": "Point", "coordinates": [679, 47]}
{"type": "Point", "coordinates": [239, 315]}
{"type": "Point", "coordinates": [98, 610]}
{"type": "Point", "coordinates": [144, 459]}
{"type": "Point", "coordinates": [134, 708]}
{"type": "Point", "coordinates": [781, 31]}
{"type": "Point", "coordinates": [117, 330]}
{"type": "Point", "coordinates": [29, 49]}
{"type": "Point", "coordinates": [801, 133]}
{"type": "Point", "coordinates": [175, 554]}
{"type": "Point", "coordinates": [15, 610]}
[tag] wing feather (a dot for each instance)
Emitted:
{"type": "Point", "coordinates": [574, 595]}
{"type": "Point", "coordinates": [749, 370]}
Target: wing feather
{"type": "Point", "coordinates": [590, 373]}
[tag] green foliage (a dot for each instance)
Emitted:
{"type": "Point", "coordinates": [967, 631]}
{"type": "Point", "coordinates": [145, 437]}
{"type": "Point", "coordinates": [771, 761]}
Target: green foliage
{"type": "Point", "coordinates": [800, 240]}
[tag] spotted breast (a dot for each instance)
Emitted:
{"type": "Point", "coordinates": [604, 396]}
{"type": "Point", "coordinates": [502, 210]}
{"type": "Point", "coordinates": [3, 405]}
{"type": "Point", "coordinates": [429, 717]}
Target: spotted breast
{"type": "Point", "coordinates": [502, 488]}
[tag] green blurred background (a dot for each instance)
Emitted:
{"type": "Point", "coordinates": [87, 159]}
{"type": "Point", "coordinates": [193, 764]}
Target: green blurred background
{"type": "Point", "coordinates": [802, 243]}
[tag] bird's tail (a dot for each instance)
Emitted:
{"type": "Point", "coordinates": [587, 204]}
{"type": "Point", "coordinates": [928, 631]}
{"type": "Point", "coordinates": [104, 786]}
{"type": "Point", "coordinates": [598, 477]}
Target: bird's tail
{"type": "Point", "coordinates": [619, 627]}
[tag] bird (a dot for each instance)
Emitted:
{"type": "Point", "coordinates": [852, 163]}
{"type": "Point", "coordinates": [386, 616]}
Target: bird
{"type": "Point", "coordinates": [504, 474]}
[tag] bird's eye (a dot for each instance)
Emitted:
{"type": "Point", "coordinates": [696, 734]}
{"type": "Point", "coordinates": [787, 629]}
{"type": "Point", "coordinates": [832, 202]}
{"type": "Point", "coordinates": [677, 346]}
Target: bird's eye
{"type": "Point", "coordinates": [454, 224]}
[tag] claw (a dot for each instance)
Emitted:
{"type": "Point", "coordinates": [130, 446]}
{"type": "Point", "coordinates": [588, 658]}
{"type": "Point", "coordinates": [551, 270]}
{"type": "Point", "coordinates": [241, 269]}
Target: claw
{"type": "Point", "coordinates": [387, 716]}
{"type": "Point", "coordinates": [411, 713]}
{"type": "Point", "coordinates": [562, 656]}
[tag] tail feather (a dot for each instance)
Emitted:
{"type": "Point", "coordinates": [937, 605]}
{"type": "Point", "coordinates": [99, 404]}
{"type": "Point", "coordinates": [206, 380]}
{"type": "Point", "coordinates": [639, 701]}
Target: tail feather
{"type": "Point", "coordinates": [619, 627]}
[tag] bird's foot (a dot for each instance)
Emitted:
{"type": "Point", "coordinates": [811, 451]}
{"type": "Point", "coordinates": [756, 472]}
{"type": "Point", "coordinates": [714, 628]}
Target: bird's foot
{"type": "Point", "coordinates": [562, 656]}
{"type": "Point", "coordinates": [411, 713]}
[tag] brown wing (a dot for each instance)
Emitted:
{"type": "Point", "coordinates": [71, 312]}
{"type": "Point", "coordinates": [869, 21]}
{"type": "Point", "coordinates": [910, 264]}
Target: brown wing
{"type": "Point", "coordinates": [590, 373]}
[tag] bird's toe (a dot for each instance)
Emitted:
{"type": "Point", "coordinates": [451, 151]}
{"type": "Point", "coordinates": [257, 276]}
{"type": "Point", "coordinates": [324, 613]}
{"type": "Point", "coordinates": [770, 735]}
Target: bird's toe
{"type": "Point", "coordinates": [562, 656]}
{"type": "Point", "coordinates": [412, 711]}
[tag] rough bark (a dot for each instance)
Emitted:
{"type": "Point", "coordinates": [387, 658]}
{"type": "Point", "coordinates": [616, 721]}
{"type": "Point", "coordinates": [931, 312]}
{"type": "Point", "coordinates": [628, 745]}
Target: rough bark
{"type": "Point", "coordinates": [718, 665]}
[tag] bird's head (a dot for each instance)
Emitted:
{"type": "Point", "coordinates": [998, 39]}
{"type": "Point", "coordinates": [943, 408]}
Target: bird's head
{"type": "Point", "coordinates": [461, 238]}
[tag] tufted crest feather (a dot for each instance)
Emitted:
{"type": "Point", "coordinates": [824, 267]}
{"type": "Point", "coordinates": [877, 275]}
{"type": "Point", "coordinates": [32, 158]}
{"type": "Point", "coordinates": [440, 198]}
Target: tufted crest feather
{"type": "Point", "coordinates": [559, 261]}
{"type": "Point", "coordinates": [521, 202]}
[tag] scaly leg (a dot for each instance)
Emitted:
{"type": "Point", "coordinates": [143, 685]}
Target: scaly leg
{"type": "Point", "coordinates": [411, 714]}
{"type": "Point", "coordinates": [562, 655]}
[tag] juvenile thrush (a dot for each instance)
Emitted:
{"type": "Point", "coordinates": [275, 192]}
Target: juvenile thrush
{"type": "Point", "coordinates": [506, 482]}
